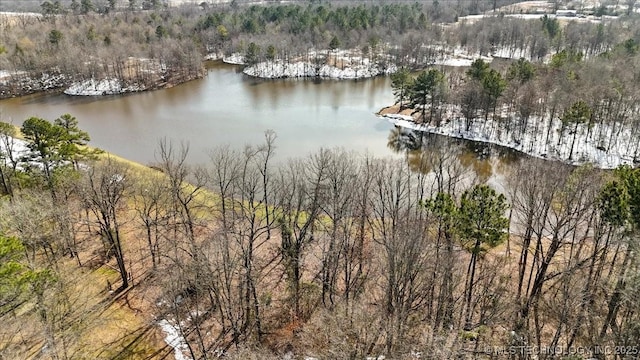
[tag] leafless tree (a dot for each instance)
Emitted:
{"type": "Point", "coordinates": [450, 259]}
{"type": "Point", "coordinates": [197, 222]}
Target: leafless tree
{"type": "Point", "coordinates": [104, 188]}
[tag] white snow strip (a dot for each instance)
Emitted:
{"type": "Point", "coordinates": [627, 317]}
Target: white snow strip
{"type": "Point", "coordinates": [279, 69]}
{"type": "Point", "coordinates": [94, 87]}
{"type": "Point", "coordinates": [6, 75]}
{"type": "Point", "coordinates": [214, 56]}
{"type": "Point", "coordinates": [18, 14]}
{"type": "Point", "coordinates": [593, 19]}
{"type": "Point", "coordinates": [235, 59]}
{"type": "Point", "coordinates": [19, 153]}
{"type": "Point", "coordinates": [174, 338]}
{"type": "Point", "coordinates": [453, 62]}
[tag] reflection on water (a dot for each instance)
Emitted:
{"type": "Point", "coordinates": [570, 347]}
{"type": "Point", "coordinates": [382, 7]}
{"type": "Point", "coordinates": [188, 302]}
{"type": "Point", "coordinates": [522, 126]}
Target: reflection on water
{"type": "Point", "coordinates": [487, 161]}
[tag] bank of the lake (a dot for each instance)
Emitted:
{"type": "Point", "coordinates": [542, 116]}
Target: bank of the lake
{"type": "Point", "coordinates": [133, 79]}
{"type": "Point", "coordinates": [559, 144]}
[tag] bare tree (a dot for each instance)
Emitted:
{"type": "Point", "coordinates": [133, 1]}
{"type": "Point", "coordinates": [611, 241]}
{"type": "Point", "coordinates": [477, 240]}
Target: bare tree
{"type": "Point", "coordinates": [104, 189]}
{"type": "Point", "coordinates": [151, 202]}
{"type": "Point", "coordinates": [400, 231]}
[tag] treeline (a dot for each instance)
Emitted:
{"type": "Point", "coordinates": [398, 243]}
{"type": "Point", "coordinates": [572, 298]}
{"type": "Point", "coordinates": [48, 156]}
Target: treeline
{"type": "Point", "coordinates": [56, 50]}
{"type": "Point", "coordinates": [552, 108]}
{"type": "Point", "coordinates": [331, 255]}
{"type": "Point", "coordinates": [537, 39]}
{"type": "Point", "coordinates": [162, 46]}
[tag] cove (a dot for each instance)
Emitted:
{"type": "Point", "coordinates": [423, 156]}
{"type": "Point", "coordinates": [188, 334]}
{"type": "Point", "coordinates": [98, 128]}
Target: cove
{"type": "Point", "coordinates": [226, 108]}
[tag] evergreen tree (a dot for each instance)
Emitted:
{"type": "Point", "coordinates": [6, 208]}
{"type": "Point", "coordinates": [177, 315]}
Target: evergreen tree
{"type": "Point", "coordinates": [12, 273]}
{"type": "Point", "coordinates": [521, 71]}
{"type": "Point", "coordinates": [578, 113]}
{"type": "Point", "coordinates": [478, 69]}
{"type": "Point", "coordinates": [493, 85]}
{"type": "Point", "coordinates": [55, 37]}
{"type": "Point", "coordinates": [54, 144]}
{"type": "Point", "coordinates": [86, 6]}
{"type": "Point", "coordinates": [334, 43]}
{"type": "Point", "coordinates": [271, 53]}
{"type": "Point", "coordinates": [427, 90]}
{"type": "Point", "coordinates": [253, 54]}
{"type": "Point", "coordinates": [401, 82]}
{"type": "Point", "coordinates": [482, 226]}
{"type": "Point", "coordinates": [74, 142]}
{"type": "Point", "coordinates": [43, 141]}
{"type": "Point", "coordinates": [613, 203]}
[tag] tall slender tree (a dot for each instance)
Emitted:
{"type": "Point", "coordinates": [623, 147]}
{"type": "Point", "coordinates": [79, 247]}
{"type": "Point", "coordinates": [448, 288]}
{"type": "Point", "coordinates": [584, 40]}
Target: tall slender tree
{"type": "Point", "coordinates": [483, 225]}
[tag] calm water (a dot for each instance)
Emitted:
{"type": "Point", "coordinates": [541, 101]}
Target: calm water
{"type": "Point", "coordinates": [226, 107]}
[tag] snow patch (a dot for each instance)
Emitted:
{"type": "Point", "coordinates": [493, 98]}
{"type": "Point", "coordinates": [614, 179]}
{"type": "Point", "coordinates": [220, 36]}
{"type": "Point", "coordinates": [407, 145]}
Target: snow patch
{"type": "Point", "coordinates": [234, 59]}
{"type": "Point", "coordinates": [6, 76]}
{"type": "Point", "coordinates": [173, 337]}
{"type": "Point", "coordinates": [330, 64]}
{"type": "Point", "coordinates": [279, 69]}
{"type": "Point", "coordinates": [214, 56]}
{"type": "Point", "coordinates": [20, 14]}
{"type": "Point", "coordinates": [94, 87]}
{"type": "Point", "coordinates": [592, 19]}
{"type": "Point", "coordinates": [19, 148]}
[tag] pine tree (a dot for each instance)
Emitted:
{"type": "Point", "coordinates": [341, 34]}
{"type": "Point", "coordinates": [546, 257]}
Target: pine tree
{"type": "Point", "coordinates": [482, 226]}
{"type": "Point", "coordinates": [427, 89]}
{"type": "Point", "coordinates": [401, 82]}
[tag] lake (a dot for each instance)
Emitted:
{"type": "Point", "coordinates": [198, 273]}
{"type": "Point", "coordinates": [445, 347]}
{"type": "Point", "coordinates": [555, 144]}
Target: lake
{"type": "Point", "coordinates": [226, 107]}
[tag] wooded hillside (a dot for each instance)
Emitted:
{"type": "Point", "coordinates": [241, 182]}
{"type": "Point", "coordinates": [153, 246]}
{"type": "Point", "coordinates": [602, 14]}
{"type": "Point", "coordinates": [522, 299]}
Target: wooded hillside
{"type": "Point", "coordinates": [334, 255]}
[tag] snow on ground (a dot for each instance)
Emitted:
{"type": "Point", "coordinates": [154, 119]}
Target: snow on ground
{"type": "Point", "coordinates": [510, 53]}
{"type": "Point", "coordinates": [453, 62]}
{"type": "Point", "coordinates": [593, 19]}
{"type": "Point", "coordinates": [279, 69]}
{"type": "Point", "coordinates": [94, 87]}
{"type": "Point", "coordinates": [330, 64]}
{"type": "Point", "coordinates": [540, 138]}
{"type": "Point", "coordinates": [5, 76]}
{"type": "Point", "coordinates": [19, 148]}
{"type": "Point", "coordinates": [234, 59]}
{"type": "Point", "coordinates": [350, 64]}
{"type": "Point", "coordinates": [174, 338]}
{"type": "Point", "coordinates": [457, 56]}
{"type": "Point", "coordinates": [214, 56]}
{"type": "Point", "coordinates": [19, 14]}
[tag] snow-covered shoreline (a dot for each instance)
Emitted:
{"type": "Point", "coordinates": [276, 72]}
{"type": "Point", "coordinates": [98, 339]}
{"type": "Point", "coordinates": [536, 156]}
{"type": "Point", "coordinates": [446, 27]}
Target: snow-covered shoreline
{"type": "Point", "coordinates": [94, 87]}
{"type": "Point", "coordinates": [18, 148]}
{"type": "Point", "coordinates": [550, 145]}
{"type": "Point", "coordinates": [352, 64]}
{"type": "Point", "coordinates": [327, 64]}
{"type": "Point", "coordinates": [303, 69]}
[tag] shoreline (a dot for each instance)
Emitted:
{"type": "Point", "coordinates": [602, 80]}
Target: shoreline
{"type": "Point", "coordinates": [454, 127]}
{"type": "Point", "coordinates": [18, 84]}
{"type": "Point", "coordinates": [322, 64]}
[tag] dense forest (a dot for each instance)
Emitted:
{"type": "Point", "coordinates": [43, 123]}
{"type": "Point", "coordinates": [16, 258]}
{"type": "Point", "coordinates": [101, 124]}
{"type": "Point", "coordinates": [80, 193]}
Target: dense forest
{"type": "Point", "coordinates": [334, 255]}
{"type": "Point", "coordinates": [146, 45]}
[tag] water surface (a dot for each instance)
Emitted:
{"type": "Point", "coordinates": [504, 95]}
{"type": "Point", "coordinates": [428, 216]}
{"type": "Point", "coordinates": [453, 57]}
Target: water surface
{"type": "Point", "coordinates": [225, 107]}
